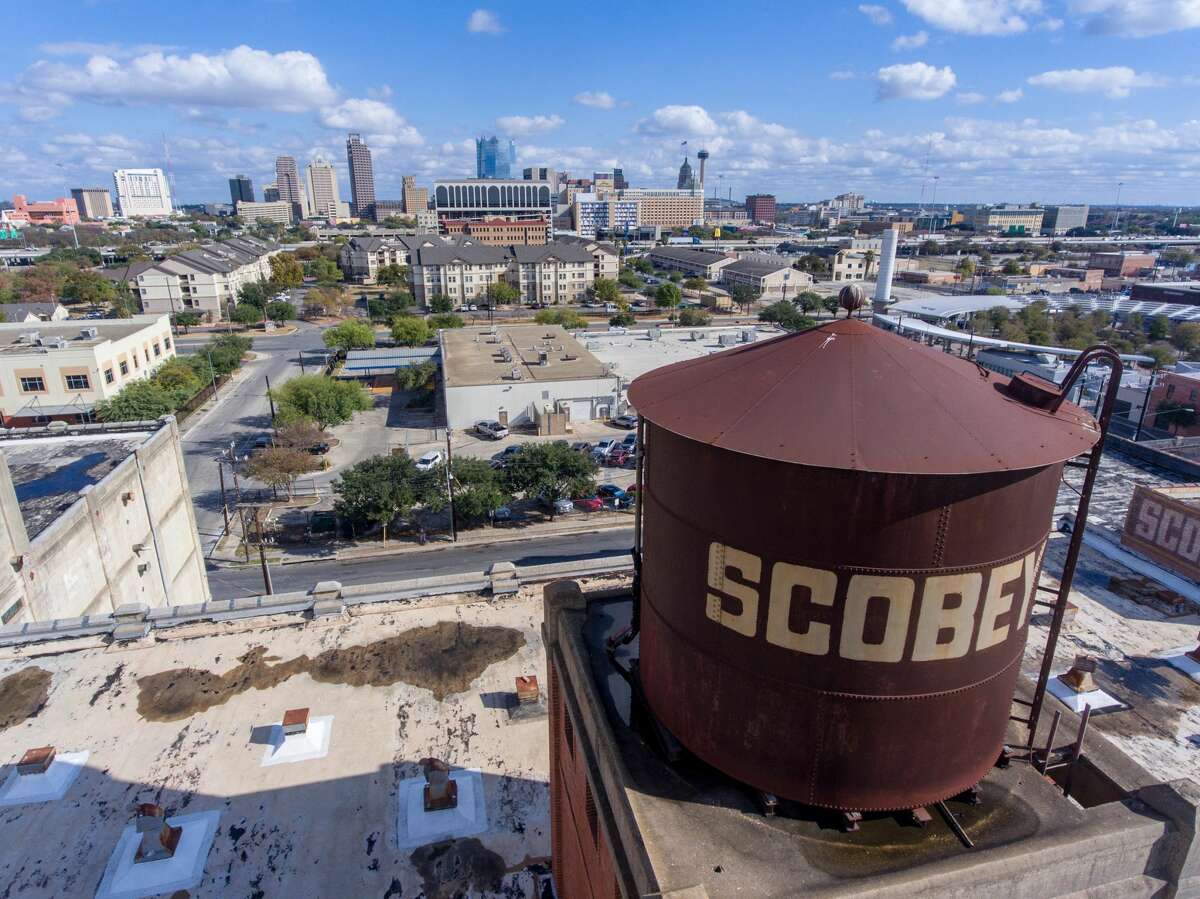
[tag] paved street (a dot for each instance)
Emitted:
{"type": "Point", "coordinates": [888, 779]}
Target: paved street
{"type": "Point", "coordinates": [241, 414]}
{"type": "Point", "coordinates": [228, 583]}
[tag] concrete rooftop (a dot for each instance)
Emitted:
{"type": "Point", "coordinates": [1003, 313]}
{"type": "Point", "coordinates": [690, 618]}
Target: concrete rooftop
{"type": "Point", "coordinates": [49, 472]}
{"type": "Point", "coordinates": [474, 356]}
{"type": "Point", "coordinates": [181, 721]}
{"type": "Point", "coordinates": [633, 353]}
{"type": "Point", "coordinates": [70, 331]}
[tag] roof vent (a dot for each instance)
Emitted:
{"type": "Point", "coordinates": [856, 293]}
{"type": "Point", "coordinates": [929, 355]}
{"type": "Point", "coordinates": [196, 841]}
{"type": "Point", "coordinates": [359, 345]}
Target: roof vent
{"type": "Point", "coordinates": [30, 337]}
{"type": "Point", "coordinates": [89, 333]}
{"type": "Point", "coordinates": [515, 374]}
{"type": "Point", "coordinates": [56, 343]}
{"type": "Point", "coordinates": [543, 357]}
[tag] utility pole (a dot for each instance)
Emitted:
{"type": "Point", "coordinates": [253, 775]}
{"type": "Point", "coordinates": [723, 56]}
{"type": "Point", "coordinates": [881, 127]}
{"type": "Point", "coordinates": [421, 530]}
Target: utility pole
{"type": "Point", "coordinates": [224, 501]}
{"type": "Point", "coordinates": [450, 489]}
{"type": "Point", "coordinates": [262, 555]}
{"type": "Point", "coordinates": [1117, 219]}
{"type": "Point", "coordinates": [270, 399]}
{"type": "Point", "coordinates": [213, 374]}
{"type": "Point", "coordinates": [1137, 434]}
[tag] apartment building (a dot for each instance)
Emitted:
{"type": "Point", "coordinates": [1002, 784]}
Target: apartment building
{"type": "Point", "coordinates": [462, 270]}
{"type": "Point", "coordinates": [663, 207]}
{"type": "Point", "coordinates": [416, 199]}
{"type": "Point", "coordinates": [694, 263]}
{"type": "Point", "coordinates": [851, 264]}
{"type": "Point", "coordinates": [143, 193]}
{"type": "Point", "coordinates": [557, 273]}
{"type": "Point", "coordinates": [278, 211]}
{"type": "Point", "coordinates": [606, 258]}
{"type": "Point", "coordinates": [58, 371]}
{"type": "Point", "coordinates": [761, 208]}
{"type": "Point", "coordinates": [1008, 219]}
{"type": "Point", "coordinates": [93, 202]}
{"type": "Point", "coordinates": [361, 258]}
{"type": "Point", "coordinates": [591, 215]}
{"type": "Point", "coordinates": [205, 280]}
{"type": "Point", "coordinates": [501, 232]}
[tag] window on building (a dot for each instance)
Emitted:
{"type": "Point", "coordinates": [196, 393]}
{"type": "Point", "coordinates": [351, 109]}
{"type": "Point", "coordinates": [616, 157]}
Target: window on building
{"type": "Point", "coordinates": [167, 342]}
{"type": "Point", "coordinates": [157, 349]}
{"type": "Point", "coordinates": [12, 611]}
{"type": "Point", "coordinates": [33, 385]}
{"type": "Point", "coordinates": [41, 419]}
{"type": "Point", "coordinates": [108, 376]}
{"type": "Point", "coordinates": [78, 382]}
{"type": "Point", "coordinates": [124, 367]}
{"type": "Point", "coordinates": [146, 350]}
{"type": "Point", "coordinates": [135, 362]}
{"type": "Point", "coordinates": [84, 418]}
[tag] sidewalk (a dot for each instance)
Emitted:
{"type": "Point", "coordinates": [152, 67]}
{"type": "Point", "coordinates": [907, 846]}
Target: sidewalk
{"type": "Point", "coordinates": [228, 554]}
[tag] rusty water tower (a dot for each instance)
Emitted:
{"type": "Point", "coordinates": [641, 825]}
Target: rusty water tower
{"type": "Point", "coordinates": [841, 536]}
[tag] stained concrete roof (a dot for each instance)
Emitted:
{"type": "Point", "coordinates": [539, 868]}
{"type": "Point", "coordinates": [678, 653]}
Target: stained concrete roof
{"type": "Point", "coordinates": [11, 342]}
{"type": "Point", "coordinates": [475, 356]}
{"type": "Point", "coordinates": [402, 680]}
{"type": "Point", "coordinates": [49, 472]}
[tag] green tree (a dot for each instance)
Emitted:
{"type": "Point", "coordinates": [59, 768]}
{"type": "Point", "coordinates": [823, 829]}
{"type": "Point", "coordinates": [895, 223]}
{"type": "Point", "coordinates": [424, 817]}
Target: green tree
{"type": "Point", "coordinates": [392, 274]}
{"type": "Point", "coordinates": [675, 277]}
{"type": "Point", "coordinates": [694, 318]}
{"type": "Point", "coordinates": [606, 290]}
{"type": "Point", "coordinates": [286, 271]}
{"type": "Point", "coordinates": [787, 316]}
{"type": "Point", "coordinates": [440, 303]}
{"type": "Point", "coordinates": [668, 297]}
{"type": "Point", "coordinates": [387, 307]}
{"type": "Point", "coordinates": [246, 314]}
{"type": "Point", "coordinates": [179, 377]}
{"type": "Point", "coordinates": [350, 335]}
{"type": "Point", "coordinates": [623, 320]}
{"type": "Point", "coordinates": [444, 320]}
{"type": "Point", "coordinates": [408, 330]}
{"type": "Point", "coordinates": [1186, 337]}
{"type": "Point", "coordinates": [1160, 328]}
{"type": "Point", "coordinates": [320, 399]}
{"type": "Point", "coordinates": [89, 288]}
{"type": "Point", "coordinates": [256, 293]}
{"type": "Point", "coordinates": [298, 434]}
{"type": "Point", "coordinates": [226, 352]}
{"type": "Point", "coordinates": [124, 304]}
{"type": "Point", "coordinates": [415, 377]}
{"type": "Point", "coordinates": [550, 471]}
{"type": "Point", "coordinates": [280, 466]}
{"type": "Point", "coordinates": [501, 293]}
{"type": "Point", "coordinates": [1173, 413]}
{"type": "Point", "coordinates": [629, 278]}
{"type": "Point", "coordinates": [324, 271]}
{"type": "Point", "coordinates": [185, 320]}
{"type": "Point", "coordinates": [698, 284]}
{"type": "Point", "coordinates": [743, 295]}
{"type": "Point", "coordinates": [280, 311]}
{"type": "Point", "coordinates": [478, 489]}
{"type": "Point", "coordinates": [808, 301]}
{"type": "Point", "coordinates": [380, 489]}
{"type": "Point", "coordinates": [568, 318]}
{"type": "Point", "coordinates": [642, 264]}
{"type": "Point", "coordinates": [1011, 267]}
{"type": "Point", "coordinates": [142, 400]}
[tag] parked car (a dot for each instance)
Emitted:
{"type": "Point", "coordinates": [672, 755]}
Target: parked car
{"type": "Point", "coordinates": [589, 503]}
{"type": "Point", "coordinates": [504, 513]}
{"type": "Point", "coordinates": [603, 448]}
{"type": "Point", "coordinates": [560, 506]}
{"type": "Point", "coordinates": [582, 446]}
{"type": "Point", "coordinates": [430, 460]}
{"type": "Point", "coordinates": [611, 491]}
{"type": "Point", "coordinates": [493, 430]}
{"type": "Point", "coordinates": [625, 421]}
{"type": "Point", "coordinates": [618, 458]}
{"type": "Point", "coordinates": [473, 308]}
{"type": "Point", "coordinates": [263, 441]}
{"type": "Point", "coordinates": [319, 448]}
{"type": "Point", "coordinates": [630, 443]}
{"type": "Point", "coordinates": [501, 458]}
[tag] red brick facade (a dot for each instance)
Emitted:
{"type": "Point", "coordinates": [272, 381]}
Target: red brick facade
{"type": "Point", "coordinates": [583, 863]}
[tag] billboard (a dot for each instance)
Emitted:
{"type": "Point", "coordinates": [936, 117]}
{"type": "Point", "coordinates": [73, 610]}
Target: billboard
{"type": "Point", "coordinates": [1163, 524]}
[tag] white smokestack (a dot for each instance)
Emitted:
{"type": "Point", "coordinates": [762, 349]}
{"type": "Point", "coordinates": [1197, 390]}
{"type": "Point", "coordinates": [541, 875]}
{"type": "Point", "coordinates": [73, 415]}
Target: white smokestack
{"type": "Point", "coordinates": [887, 264]}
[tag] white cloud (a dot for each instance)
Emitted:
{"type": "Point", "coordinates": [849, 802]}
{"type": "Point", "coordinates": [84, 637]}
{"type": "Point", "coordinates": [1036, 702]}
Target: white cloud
{"type": "Point", "coordinates": [382, 124]}
{"type": "Point", "coordinates": [879, 15]}
{"type": "Point", "coordinates": [842, 75]}
{"type": "Point", "coordinates": [91, 48]}
{"type": "Point", "coordinates": [679, 120]}
{"type": "Point", "coordinates": [911, 41]}
{"type": "Point", "coordinates": [1011, 96]}
{"type": "Point", "coordinates": [1113, 81]}
{"type": "Point", "coordinates": [991, 17]}
{"type": "Point", "coordinates": [517, 125]}
{"type": "Point", "coordinates": [595, 99]}
{"type": "Point", "coordinates": [291, 81]}
{"type": "Point", "coordinates": [970, 98]}
{"type": "Point", "coordinates": [484, 21]}
{"type": "Point", "coordinates": [914, 81]}
{"type": "Point", "coordinates": [1137, 18]}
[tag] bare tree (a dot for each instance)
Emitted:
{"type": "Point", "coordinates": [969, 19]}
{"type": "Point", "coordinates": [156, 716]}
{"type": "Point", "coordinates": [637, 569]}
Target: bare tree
{"type": "Point", "coordinates": [280, 466]}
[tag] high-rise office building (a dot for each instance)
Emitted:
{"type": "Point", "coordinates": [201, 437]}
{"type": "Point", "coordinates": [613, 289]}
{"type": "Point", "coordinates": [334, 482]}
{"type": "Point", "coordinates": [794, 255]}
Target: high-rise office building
{"type": "Point", "coordinates": [287, 182]}
{"type": "Point", "coordinates": [241, 190]}
{"type": "Point", "coordinates": [270, 193]}
{"type": "Point", "coordinates": [362, 176]}
{"type": "Point", "coordinates": [416, 199]}
{"type": "Point", "coordinates": [93, 202]}
{"type": "Point", "coordinates": [686, 181]}
{"type": "Point", "coordinates": [323, 199]}
{"type": "Point", "coordinates": [143, 192]}
{"type": "Point", "coordinates": [494, 158]}
{"type": "Point", "coordinates": [616, 176]}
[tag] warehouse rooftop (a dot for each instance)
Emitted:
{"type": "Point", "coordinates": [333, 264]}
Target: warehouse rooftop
{"type": "Point", "coordinates": [184, 719]}
{"type": "Point", "coordinates": [48, 472]}
{"type": "Point", "coordinates": [17, 338]}
{"type": "Point", "coordinates": [478, 356]}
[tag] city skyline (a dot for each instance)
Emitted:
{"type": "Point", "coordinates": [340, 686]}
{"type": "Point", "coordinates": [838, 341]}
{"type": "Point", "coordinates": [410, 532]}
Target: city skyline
{"type": "Point", "coordinates": [1089, 93]}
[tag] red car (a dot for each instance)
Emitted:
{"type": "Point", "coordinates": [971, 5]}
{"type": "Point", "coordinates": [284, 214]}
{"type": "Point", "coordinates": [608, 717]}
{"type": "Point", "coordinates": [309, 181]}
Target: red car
{"type": "Point", "coordinates": [589, 503]}
{"type": "Point", "coordinates": [618, 458]}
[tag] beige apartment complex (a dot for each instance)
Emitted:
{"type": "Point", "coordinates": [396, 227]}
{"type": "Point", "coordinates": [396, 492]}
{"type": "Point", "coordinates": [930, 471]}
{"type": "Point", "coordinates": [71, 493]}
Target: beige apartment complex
{"type": "Point", "coordinates": [58, 371]}
{"type": "Point", "coordinates": [277, 211]}
{"type": "Point", "coordinates": [205, 280]}
{"type": "Point", "coordinates": [663, 207]}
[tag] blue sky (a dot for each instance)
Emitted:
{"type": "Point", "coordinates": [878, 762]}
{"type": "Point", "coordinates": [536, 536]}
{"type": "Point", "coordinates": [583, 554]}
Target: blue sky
{"type": "Point", "coordinates": [1008, 100]}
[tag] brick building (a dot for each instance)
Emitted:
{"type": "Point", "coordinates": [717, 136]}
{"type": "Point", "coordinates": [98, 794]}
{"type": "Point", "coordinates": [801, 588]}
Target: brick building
{"type": "Point", "coordinates": [501, 232]}
{"type": "Point", "coordinates": [62, 211]}
{"type": "Point", "coordinates": [1122, 265]}
{"type": "Point", "coordinates": [761, 207]}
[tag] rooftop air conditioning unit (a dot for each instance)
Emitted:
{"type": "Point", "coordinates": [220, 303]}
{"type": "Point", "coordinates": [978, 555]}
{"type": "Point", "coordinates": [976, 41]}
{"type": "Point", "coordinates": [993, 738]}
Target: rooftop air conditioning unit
{"type": "Point", "coordinates": [654, 333]}
{"type": "Point", "coordinates": [728, 340]}
{"type": "Point", "coordinates": [31, 337]}
{"type": "Point", "coordinates": [749, 335]}
{"type": "Point", "coordinates": [515, 374]}
{"type": "Point", "coordinates": [543, 357]}
{"type": "Point", "coordinates": [89, 333]}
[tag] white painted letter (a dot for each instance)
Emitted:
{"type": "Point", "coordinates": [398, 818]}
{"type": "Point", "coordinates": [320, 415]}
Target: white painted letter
{"type": "Point", "coordinates": [934, 617]}
{"type": "Point", "coordinates": [822, 586]}
{"type": "Point", "coordinates": [749, 567]}
{"type": "Point", "coordinates": [898, 591]}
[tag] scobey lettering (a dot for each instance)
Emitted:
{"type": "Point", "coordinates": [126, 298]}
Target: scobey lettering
{"type": "Point", "coordinates": [955, 613]}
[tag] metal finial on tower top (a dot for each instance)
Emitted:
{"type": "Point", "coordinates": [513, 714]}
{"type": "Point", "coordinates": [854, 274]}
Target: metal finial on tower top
{"type": "Point", "coordinates": [851, 298]}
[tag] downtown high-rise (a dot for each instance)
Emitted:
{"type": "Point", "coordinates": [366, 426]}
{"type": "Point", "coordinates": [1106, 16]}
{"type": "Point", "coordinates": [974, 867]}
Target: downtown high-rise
{"type": "Point", "coordinates": [241, 190]}
{"type": "Point", "coordinates": [291, 190]}
{"type": "Point", "coordinates": [494, 158]}
{"type": "Point", "coordinates": [362, 177]}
